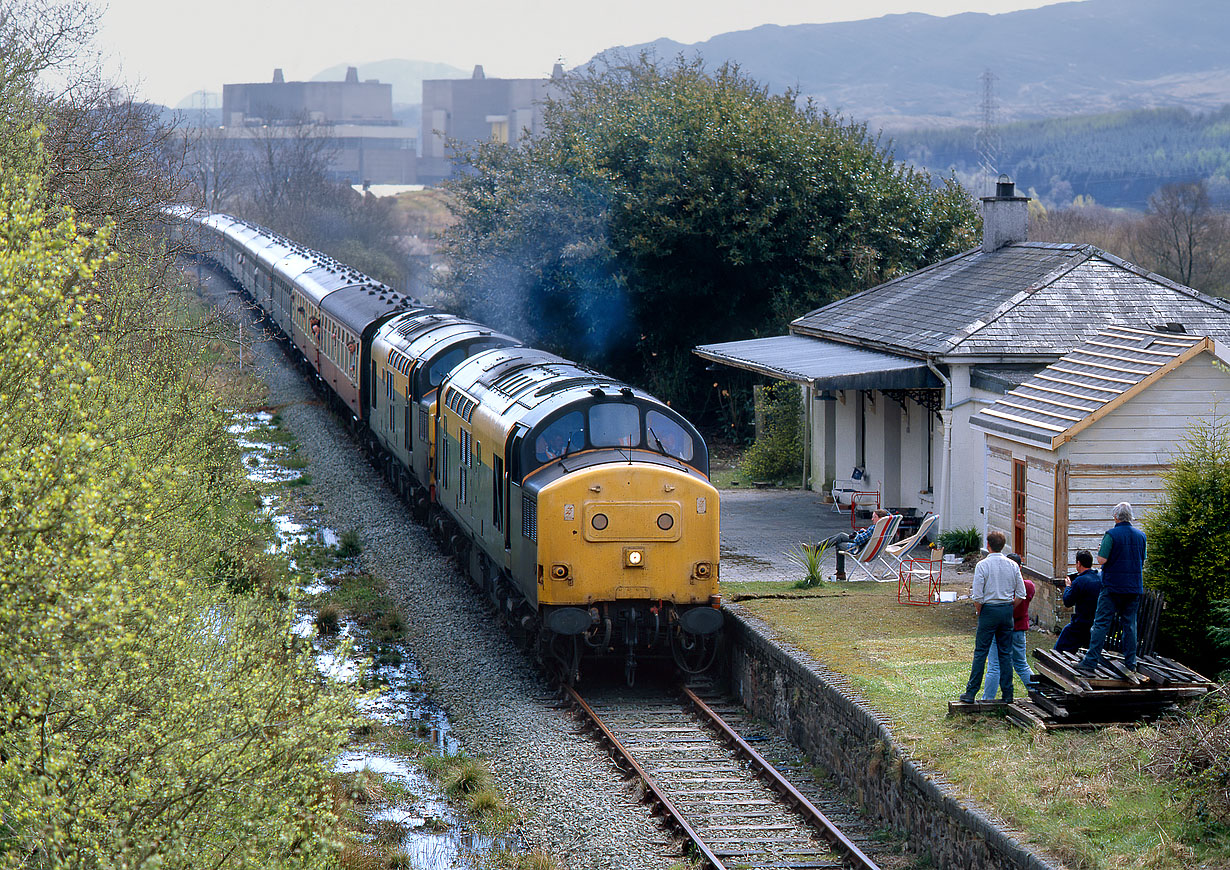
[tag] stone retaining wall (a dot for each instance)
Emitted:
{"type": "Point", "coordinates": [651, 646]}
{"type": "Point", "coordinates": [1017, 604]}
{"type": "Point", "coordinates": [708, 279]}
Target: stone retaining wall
{"type": "Point", "coordinates": [808, 706]}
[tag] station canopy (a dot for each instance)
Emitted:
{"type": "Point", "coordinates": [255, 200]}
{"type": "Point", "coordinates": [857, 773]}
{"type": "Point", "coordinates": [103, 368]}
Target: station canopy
{"type": "Point", "coordinates": [822, 365]}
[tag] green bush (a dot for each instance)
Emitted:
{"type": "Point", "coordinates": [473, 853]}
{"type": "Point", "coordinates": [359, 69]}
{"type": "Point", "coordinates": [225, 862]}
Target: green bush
{"type": "Point", "coordinates": [778, 451]}
{"type": "Point", "coordinates": [1189, 540]}
{"type": "Point", "coordinates": [1219, 633]}
{"type": "Point", "coordinates": [960, 541]}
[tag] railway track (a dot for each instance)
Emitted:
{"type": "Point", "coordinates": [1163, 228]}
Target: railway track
{"type": "Point", "coordinates": [736, 809]}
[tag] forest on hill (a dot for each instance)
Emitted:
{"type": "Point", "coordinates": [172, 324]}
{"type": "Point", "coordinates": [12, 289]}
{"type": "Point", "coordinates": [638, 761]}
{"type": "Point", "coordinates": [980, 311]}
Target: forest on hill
{"type": "Point", "coordinates": [1116, 160]}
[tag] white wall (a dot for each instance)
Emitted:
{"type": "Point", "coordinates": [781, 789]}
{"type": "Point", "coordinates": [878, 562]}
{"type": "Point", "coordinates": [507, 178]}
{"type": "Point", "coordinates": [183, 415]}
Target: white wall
{"type": "Point", "coordinates": [1123, 456]}
{"type": "Point", "coordinates": [896, 453]}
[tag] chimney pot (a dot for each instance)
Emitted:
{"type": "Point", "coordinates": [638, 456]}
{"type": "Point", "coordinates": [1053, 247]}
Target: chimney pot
{"type": "Point", "coordinates": [277, 76]}
{"type": "Point", "coordinates": [1005, 216]}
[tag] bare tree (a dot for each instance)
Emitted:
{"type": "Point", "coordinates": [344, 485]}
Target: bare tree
{"type": "Point", "coordinates": [288, 171]}
{"type": "Point", "coordinates": [217, 166]}
{"type": "Point", "coordinates": [1184, 238]}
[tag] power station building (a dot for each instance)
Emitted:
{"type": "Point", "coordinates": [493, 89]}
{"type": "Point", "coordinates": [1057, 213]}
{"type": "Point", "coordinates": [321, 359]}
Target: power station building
{"type": "Point", "coordinates": [367, 143]}
{"type": "Point", "coordinates": [467, 111]}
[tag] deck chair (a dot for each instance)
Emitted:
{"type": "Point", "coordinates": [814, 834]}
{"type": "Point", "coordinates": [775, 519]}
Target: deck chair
{"type": "Point", "coordinates": [881, 533]}
{"type": "Point", "coordinates": [892, 555]}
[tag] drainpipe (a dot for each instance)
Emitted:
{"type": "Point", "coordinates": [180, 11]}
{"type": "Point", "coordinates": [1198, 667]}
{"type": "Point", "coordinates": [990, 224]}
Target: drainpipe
{"type": "Point", "coordinates": [946, 461]}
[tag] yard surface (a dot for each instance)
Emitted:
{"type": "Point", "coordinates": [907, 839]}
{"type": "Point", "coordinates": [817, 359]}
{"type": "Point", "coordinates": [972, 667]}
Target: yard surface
{"type": "Point", "coordinates": [1083, 798]}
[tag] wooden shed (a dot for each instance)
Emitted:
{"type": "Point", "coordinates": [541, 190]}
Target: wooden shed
{"type": "Point", "coordinates": [1098, 427]}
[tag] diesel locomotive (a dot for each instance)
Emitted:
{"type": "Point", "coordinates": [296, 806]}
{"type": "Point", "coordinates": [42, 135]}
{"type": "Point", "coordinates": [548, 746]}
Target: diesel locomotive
{"type": "Point", "coordinates": [580, 505]}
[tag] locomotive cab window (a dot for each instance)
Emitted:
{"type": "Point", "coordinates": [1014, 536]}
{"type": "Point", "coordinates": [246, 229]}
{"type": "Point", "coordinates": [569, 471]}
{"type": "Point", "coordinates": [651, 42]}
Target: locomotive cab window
{"type": "Point", "coordinates": [667, 436]}
{"type": "Point", "coordinates": [561, 437]}
{"type": "Point", "coordinates": [615, 425]}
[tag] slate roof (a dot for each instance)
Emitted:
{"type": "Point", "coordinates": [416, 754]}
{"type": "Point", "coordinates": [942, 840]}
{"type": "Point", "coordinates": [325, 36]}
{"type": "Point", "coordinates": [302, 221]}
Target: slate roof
{"type": "Point", "coordinates": [1088, 383]}
{"type": "Point", "coordinates": [1031, 300]}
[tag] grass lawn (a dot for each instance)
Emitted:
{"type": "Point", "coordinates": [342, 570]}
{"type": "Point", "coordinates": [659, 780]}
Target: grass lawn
{"type": "Point", "coordinates": [1080, 796]}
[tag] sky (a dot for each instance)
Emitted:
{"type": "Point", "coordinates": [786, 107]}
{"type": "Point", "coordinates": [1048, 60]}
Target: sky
{"type": "Point", "coordinates": [164, 51]}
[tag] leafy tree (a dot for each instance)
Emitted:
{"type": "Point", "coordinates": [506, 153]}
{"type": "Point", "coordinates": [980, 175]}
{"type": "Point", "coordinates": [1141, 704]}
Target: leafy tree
{"type": "Point", "coordinates": [1189, 539]}
{"type": "Point", "coordinates": [778, 450]}
{"type": "Point", "coordinates": [147, 718]}
{"type": "Point", "coordinates": [666, 206]}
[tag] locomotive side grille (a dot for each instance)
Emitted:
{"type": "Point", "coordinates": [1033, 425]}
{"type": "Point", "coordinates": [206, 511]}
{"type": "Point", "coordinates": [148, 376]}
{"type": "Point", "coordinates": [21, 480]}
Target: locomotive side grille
{"type": "Point", "coordinates": [422, 424]}
{"type": "Point", "coordinates": [529, 518]}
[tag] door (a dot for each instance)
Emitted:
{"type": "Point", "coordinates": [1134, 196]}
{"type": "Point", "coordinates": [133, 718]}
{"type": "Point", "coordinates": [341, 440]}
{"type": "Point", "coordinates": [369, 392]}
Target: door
{"type": "Point", "coordinates": [1018, 507]}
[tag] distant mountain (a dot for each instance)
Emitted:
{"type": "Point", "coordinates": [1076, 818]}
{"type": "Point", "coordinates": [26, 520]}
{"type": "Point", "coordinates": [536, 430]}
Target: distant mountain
{"type": "Point", "coordinates": [406, 76]}
{"type": "Point", "coordinates": [916, 70]}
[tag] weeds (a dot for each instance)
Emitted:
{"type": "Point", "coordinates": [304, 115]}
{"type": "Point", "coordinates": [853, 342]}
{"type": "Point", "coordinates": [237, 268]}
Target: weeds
{"type": "Point", "coordinates": [809, 557]}
{"type": "Point", "coordinates": [349, 546]}
{"type": "Point", "coordinates": [329, 619]}
{"type": "Point", "coordinates": [1194, 747]}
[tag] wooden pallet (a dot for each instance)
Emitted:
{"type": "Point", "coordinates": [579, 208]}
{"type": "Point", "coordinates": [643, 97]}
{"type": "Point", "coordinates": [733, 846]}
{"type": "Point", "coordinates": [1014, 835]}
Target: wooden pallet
{"type": "Point", "coordinates": [1068, 698]}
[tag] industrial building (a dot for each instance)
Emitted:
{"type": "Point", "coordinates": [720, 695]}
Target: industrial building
{"type": "Point", "coordinates": [368, 145]}
{"type": "Point", "coordinates": [466, 111]}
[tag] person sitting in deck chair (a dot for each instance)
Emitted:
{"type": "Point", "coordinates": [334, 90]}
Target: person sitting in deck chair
{"type": "Point", "coordinates": [850, 542]}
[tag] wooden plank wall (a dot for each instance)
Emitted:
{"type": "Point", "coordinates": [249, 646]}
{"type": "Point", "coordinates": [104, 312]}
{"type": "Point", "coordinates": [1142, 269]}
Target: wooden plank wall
{"type": "Point", "coordinates": [1123, 456]}
{"type": "Point", "coordinates": [999, 486]}
{"type": "Point", "coordinates": [1093, 491]}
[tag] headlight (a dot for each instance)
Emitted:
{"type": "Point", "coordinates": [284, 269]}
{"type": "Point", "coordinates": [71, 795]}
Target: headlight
{"type": "Point", "coordinates": [634, 557]}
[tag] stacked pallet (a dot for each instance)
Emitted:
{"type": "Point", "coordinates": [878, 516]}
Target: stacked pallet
{"type": "Point", "coordinates": [1068, 698]}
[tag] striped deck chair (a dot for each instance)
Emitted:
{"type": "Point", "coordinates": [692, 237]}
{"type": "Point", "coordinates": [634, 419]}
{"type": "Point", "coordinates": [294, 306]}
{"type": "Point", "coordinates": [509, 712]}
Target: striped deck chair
{"type": "Point", "coordinates": [893, 555]}
{"type": "Point", "coordinates": [882, 534]}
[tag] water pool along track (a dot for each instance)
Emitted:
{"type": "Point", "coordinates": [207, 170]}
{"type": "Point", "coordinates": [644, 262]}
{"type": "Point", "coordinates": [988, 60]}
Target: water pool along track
{"type": "Point", "coordinates": [734, 806]}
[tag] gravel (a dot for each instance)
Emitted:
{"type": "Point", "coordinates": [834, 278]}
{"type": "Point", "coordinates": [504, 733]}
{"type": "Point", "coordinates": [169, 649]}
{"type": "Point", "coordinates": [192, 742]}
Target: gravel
{"type": "Point", "coordinates": [574, 803]}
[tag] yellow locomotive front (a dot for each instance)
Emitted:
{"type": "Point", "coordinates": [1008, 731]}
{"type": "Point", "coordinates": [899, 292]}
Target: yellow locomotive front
{"type": "Point", "coordinates": [629, 532]}
{"type": "Point", "coordinates": [626, 542]}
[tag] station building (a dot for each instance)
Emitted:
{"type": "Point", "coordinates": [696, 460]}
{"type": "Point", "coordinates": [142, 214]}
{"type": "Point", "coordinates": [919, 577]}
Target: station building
{"type": "Point", "coordinates": [894, 376]}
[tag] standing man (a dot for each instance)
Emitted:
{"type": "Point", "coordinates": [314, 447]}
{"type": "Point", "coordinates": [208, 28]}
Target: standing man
{"type": "Point", "coordinates": [1020, 655]}
{"type": "Point", "coordinates": [997, 588]}
{"type": "Point", "coordinates": [1081, 594]}
{"type": "Point", "coordinates": [1122, 557]}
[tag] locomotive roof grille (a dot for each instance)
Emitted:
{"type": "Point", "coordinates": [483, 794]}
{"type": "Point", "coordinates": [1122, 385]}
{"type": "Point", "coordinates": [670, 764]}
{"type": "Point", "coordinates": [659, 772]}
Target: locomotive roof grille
{"type": "Point", "coordinates": [568, 384]}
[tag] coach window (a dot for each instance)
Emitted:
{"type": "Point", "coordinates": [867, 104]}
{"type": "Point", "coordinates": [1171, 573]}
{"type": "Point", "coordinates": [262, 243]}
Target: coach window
{"type": "Point", "coordinates": [614, 425]}
{"type": "Point", "coordinates": [667, 436]}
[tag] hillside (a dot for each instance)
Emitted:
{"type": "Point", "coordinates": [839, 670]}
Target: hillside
{"type": "Point", "coordinates": [1117, 159]}
{"type": "Point", "coordinates": [915, 70]}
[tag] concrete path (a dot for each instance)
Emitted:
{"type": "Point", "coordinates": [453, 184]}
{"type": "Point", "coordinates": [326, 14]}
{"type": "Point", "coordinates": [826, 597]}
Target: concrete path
{"type": "Point", "coordinates": [759, 526]}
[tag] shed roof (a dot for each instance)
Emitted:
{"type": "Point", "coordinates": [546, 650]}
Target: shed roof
{"type": "Point", "coordinates": [1090, 382]}
{"type": "Point", "coordinates": [823, 365]}
{"type": "Point", "coordinates": [1031, 300]}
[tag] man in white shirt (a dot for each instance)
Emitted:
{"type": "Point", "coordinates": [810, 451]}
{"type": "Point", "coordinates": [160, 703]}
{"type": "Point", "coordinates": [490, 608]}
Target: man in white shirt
{"type": "Point", "coordinates": [997, 587]}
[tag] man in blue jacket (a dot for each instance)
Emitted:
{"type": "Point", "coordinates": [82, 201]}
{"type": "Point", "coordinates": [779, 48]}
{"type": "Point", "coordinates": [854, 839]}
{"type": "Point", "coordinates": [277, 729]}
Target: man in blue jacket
{"type": "Point", "coordinates": [1122, 557]}
{"type": "Point", "coordinates": [1081, 594]}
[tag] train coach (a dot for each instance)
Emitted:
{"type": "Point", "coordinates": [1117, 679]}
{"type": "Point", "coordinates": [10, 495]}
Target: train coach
{"type": "Point", "coordinates": [581, 505]}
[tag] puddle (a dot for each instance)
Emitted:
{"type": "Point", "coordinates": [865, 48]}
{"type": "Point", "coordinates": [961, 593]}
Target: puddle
{"type": "Point", "coordinates": [432, 835]}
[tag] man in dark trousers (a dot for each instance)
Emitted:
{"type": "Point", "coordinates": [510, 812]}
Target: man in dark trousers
{"type": "Point", "coordinates": [1081, 594]}
{"type": "Point", "coordinates": [1122, 557]}
{"type": "Point", "coordinates": [997, 588]}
